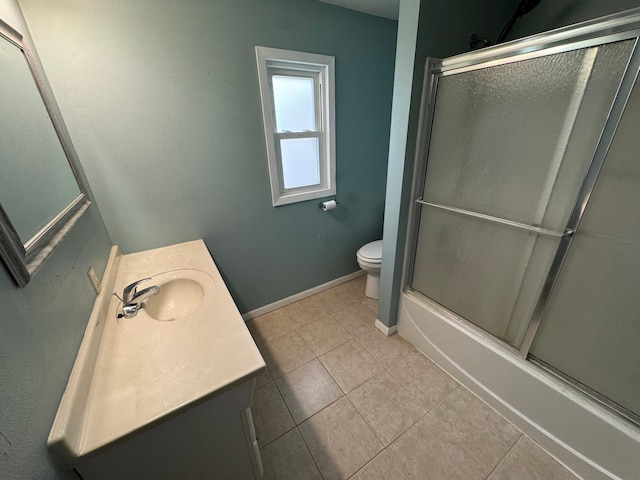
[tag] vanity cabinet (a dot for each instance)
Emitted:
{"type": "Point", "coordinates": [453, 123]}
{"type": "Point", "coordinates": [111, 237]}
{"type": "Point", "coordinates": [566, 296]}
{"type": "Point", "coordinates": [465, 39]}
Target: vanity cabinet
{"type": "Point", "coordinates": [212, 440]}
{"type": "Point", "coordinates": [164, 394]}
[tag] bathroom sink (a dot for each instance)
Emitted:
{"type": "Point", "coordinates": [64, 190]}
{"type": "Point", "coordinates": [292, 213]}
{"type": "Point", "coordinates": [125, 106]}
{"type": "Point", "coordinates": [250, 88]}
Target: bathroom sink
{"type": "Point", "coordinates": [181, 292]}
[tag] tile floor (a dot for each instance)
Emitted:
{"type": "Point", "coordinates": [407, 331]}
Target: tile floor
{"type": "Point", "coordinates": [340, 400]}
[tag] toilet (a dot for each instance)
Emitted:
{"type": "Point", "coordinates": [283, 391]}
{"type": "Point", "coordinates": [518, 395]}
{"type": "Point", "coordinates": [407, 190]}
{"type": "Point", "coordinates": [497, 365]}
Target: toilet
{"type": "Point", "coordinates": [369, 258]}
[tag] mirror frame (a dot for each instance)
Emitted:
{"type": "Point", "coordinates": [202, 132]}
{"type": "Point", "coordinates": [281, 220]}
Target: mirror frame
{"type": "Point", "coordinates": [23, 259]}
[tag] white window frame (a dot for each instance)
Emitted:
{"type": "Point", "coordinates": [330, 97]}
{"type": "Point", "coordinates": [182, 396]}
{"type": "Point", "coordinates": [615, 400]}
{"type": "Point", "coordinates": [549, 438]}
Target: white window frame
{"type": "Point", "coordinates": [321, 68]}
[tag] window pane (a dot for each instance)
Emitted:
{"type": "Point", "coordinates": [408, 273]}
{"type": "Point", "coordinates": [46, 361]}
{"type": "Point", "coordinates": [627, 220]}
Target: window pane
{"type": "Point", "coordinates": [293, 100]}
{"type": "Point", "coordinates": [300, 162]}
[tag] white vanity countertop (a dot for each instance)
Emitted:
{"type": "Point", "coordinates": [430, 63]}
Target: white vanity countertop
{"type": "Point", "coordinates": [146, 369]}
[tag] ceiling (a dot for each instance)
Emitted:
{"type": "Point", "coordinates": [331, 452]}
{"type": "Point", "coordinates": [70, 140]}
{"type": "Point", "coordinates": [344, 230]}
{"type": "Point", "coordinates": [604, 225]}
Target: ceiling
{"type": "Point", "coordinates": [380, 8]}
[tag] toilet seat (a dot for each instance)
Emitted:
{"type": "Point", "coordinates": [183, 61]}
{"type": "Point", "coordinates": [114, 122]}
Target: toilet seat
{"type": "Point", "coordinates": [371, 252]}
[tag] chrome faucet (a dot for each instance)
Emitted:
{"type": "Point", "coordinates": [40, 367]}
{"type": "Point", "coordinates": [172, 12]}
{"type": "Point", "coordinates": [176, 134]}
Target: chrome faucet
{"type": "Point", "coordinates": [132, 298]}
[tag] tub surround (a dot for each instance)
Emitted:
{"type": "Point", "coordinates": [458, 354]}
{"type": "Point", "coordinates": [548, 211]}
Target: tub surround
{"type": "Point", "coordinates": [131, 375]}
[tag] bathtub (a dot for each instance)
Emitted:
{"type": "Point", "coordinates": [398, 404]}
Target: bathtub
{"type": "Point", "coordinates": [591, 441]}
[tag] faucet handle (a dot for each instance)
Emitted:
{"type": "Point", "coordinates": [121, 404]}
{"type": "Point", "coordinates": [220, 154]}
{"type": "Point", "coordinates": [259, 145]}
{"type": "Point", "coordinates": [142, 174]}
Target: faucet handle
{"type": "Point", "coordinates": [141, 295]}
{"type": "Point", "coordinates": [130, 290]}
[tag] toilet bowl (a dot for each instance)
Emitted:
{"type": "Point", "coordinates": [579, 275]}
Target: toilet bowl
{"type": "Point", "coordinates": [369, 258]}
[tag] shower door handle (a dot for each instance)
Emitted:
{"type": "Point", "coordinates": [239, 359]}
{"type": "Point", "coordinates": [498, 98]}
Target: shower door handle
{"type": "Point", "coordinates": [568, 233]}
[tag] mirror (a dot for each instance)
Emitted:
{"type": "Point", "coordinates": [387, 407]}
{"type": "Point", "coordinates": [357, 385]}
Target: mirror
{"type": "Point", "coordinates": [41, 191]}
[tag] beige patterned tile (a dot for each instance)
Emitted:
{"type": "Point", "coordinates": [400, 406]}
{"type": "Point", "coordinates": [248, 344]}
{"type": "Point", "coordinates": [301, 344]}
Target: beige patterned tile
{"type": "Point", "coordinates": [307, 390]}
{"type": "Point", "coordinates": [371, 304]}
{"type": "Point", "coordinates": [270, 326]}
{"type": "Point", "coordinates": [285, 354]}
{"type": "Point", "coordinates": [426, 453]}
{"type": "Point", "coordinates": [527, 461]}
{"type": "Point", "coordinates": [387, 349]}
{"type": "Point", "coordinates": [337, 298]}
{"type": "Point", "coordinates": [324, 335]}
{"type": "Point", "coordinates": [288, 459]}
{"type": "Point", "coordinates": [306, 311]}
{"type": "Point", "coordinates": [270, 415]}
{"type": "Point", "coordinates": [356, 319]}
{"type": "Point", "coordinates": [382, 467]}
{"type": "Point", "coordinates": [339, 440]}
{"type": "Point", "coordinates": [475, 427]}
{"type": "Point", "coordinates": [423, 379]}
{"type": "Point", "coordinates": [350, 365]}
{"type": "Point", "coordinates": [263, 378]}
{"type": "Point", "coordinates": [357, 285]}
{"type": "Point", "coordinates": [386, 406]}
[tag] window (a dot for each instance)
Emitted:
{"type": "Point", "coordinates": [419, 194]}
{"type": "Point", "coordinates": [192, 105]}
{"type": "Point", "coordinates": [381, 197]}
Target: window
{"type": "Point", "coordinates": [297, 91]}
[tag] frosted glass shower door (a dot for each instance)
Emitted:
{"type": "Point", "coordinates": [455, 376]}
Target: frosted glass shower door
{"type": "Point", "coordinates": [591, 329]}
{"type": "Point", "coordinates": [508, 151]}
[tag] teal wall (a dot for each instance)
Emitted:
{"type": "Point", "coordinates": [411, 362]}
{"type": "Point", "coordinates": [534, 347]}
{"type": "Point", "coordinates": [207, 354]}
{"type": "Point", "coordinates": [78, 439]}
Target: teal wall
{"type": "Point", "coordinates": [395, 212]}
{"type": "Point", "coordinates": [41, 327]}
{"type": "Point", "coordinates": [162, 100]}
{"type": "Point", "coordinates": [554, 14]}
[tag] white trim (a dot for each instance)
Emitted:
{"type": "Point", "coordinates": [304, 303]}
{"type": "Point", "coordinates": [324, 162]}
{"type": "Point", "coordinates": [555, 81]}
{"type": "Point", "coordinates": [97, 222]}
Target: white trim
{"type": "Point", "coordinates": [324, 66]}
{"type": "Point", "coordinates": [299, 296]}
{"type": "Point", "coordinates": [384, 329]}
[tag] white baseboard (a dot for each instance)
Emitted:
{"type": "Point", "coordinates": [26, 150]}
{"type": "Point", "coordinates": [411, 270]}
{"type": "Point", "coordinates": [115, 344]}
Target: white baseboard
{"type": "Point", "coordinates": [299, 296]}
{"type": "Point", "coordinates": [384, 329]}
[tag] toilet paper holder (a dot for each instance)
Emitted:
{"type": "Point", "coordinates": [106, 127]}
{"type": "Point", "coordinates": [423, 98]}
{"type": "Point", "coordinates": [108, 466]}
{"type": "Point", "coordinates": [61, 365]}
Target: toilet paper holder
{"type": "Point", "coordinates": [328, 204]}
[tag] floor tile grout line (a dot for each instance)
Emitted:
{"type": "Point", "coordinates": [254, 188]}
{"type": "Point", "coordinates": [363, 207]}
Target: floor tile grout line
{"type": "Point", "coordinates": [502, 459]}
{"type": "Point", "coordinates": [326, 406]}
{"type": "Point", "coordinates": [359, 385]}
{"type": "Point", "coordinates": [285, 403]}
{"type": "Point", "coordinates": [365, 465]}
{"type": "Point", "coordinates": [365, 421]}
{"type": "Point", "coordinates": [273, 379]}
{"type": "Point", "coordinates": [310, 454]}
{"type": "Point", "coordinates": [328, 372]}
{"type": "Point", "coordinates": [408, 392]}
{"type": "Point", "coordinates": [369, 351]}
{"type": "Point", "coordinates": [302, 364]}
{"type": "Point", "coordinates": [405, 391]}
{"type": "Point", "coordinates": [374, 356]}
{"type": "Point", "coordinates": [445, 398]}
{"type": "Point", "coordinates": [427, 412]}
{"type": "Point", "coordinates": [324, 353]}
{"type": "Point", "coordinates": [261, 448]}
{"type": "Point", "coordinates": [296, 327]}
{"type": "Point", "coordinates": [288, 372]}
{"type": "Point", "coordinates": [285, 406]}
{"type": "Point", "coordinates": [321, 410]}
{"type": "Point", "coordinates": [398, 463]}
{"type": "Point", "coordinates": [384, 368]}
{"type": "Point", "coordinates": [368, 424]}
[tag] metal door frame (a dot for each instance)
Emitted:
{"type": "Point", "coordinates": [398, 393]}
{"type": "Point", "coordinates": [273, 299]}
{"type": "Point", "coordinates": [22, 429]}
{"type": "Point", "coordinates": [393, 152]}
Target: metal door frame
{"type": "Point", "coordinates": [609, 29]}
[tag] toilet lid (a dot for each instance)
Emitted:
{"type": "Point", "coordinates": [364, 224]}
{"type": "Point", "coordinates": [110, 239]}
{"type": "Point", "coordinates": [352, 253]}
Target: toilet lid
{"type": "Point", "coordinates": [372, 251]}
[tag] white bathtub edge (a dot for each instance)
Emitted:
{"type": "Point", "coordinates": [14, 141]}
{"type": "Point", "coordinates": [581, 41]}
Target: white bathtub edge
{"type": "Point", "coordinates": [585, 437]}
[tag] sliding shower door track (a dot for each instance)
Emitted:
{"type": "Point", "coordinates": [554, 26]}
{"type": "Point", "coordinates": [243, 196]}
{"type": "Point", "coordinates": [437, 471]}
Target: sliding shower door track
{"type": "Point", "coordinates": [609, 404]}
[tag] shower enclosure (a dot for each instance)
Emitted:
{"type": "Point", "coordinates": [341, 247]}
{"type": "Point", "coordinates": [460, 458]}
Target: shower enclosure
{"type": "Point", "coordinates": [525, 221]}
